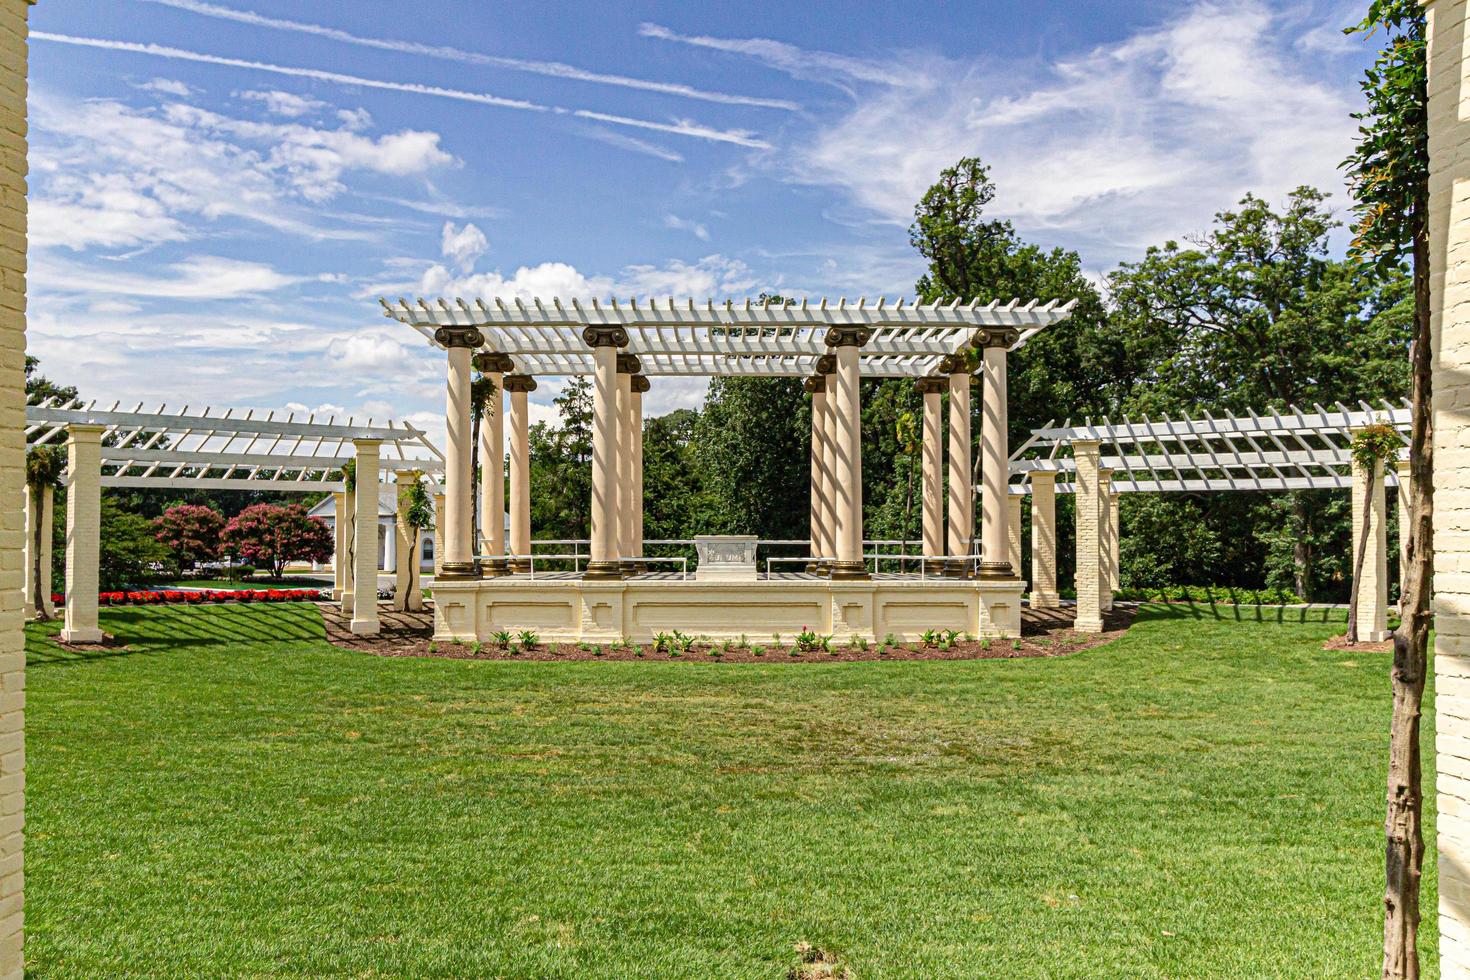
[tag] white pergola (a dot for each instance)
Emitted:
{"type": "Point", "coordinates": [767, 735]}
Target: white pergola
{"type": "Point", "coordinates": [1291, 449]}
{"type": "Point", "coordinates": [212, 449]}
{"type": "Point", "coordinates": [627, 345]}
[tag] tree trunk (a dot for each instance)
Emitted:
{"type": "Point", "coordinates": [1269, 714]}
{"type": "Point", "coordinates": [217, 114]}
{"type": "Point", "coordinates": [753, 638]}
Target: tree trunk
{"type": "Point", "coordinates": [1301, 549]}
{"type": "Point", "coordinates": [1403, 831]}
{"type": "Point", "coordinates": [43, 601]}
{"type": "Point", "coordinates": [1360, 558]}
{"type": "Point", "coordinates": [475, 483]}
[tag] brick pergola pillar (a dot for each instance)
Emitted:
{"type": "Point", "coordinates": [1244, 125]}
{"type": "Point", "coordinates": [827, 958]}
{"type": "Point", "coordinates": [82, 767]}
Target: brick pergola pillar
{"type": "Point", "coordinates": [847, 399]}
{"type": "Point", "coordinates": [349, 549]}
{"type": "Point", "coordinates": [1373, 588]}
{"type": "Point", "coordinates": [1014, 502]}
{"type": "Point", "coordinates": [40, 509]}
{"type": "Point", "coordinates": [628, 368]}
{"type": "Point", "coordinates": [932, 456]}
{"type": "Point", "coordinates": [1088, 455]}
{"type": "Point", "coordinates": [459, 531]}
{"type": "Point", "coordinates": [492, 465]}
{"type": "Point", "coordinates": [83, 532]}
{"type": "Point", "coordinates": [1044, 594]}
{"type": "Point", "coordinates": [961, 469]}
{"type": "Point", "coordinates": [1115, 545]}
{"type": "Point", "coordinates": [995, 468]}
{"type": "Point", "coordinates": [408, 551]}
{"type": "Point", "coordinates": [641, 387]}
{"type": "Point", "coordinates": [605, 562]}
{"type": "Point", "coordinates": [816, 386]}
{"type": "Point", "coordinates": [365, 540]}
{"type": "Point", "coordinates": [339, 543]}
{"type": "Point", "coordinates": [1105, 539]}
{"type": "Point", "coordinates": [520, 386]}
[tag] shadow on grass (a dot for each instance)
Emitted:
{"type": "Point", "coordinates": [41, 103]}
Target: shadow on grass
{"type": "Point", "coordinates": [1240, 613]}
{"type": "Point", "coordinates": [144, 629]}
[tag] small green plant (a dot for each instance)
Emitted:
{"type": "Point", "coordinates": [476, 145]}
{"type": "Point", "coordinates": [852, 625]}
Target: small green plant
{"type": "Point", "coordinates": [890, 640]}
{"type": "Point", "coordinates": [598, 651]}
{"type": "Point", "coordinates": [776, 638]}
{"type": "Point", "coordinates": [529, 639]}
{"type": "Point", "coordinates": [951, 636]}
{"type": "Point", "coordinates": [475, 648]}
{"type": "Point", "coordinates": [810, 641]}
{"type": "Point", "coordinates": [433, 647]}
{"type": "Point", "coordinates": [502, 638]}
{"type": "Point", "coordinates": [930, 638]}
{"type": "Point", "coordinates": [758, 650]}
{"type": "Point", "coordinates": [1015, 644]}
{"type": "Point", "coordinates": [743, 641]}
{"type": "Point", "coordinates": [637, 651]}
{"type": "Point", "coordinates": [859, 643]}
{"type": "Point", "coordinates": [970, 637]}
{"type": "Point", "coordinates": [727, 646]}
{"type": "Point", "coordinates": [985, 644]}
{"type": "Point", "coordinates": [662, 643]}
{"type": "Point", "coordinates": [584, 646]}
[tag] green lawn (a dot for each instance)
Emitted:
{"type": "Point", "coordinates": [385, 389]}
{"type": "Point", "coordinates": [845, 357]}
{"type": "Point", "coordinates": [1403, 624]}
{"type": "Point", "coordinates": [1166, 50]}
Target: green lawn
{"type": "Point", "coordinates": [234, 796]}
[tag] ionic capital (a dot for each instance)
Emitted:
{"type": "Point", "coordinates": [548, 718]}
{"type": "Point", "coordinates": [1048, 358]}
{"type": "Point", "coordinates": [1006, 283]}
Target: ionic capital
{"type": "Point", "coordinates": [629, 363]}
{"type": "Point", "coordinates": [826, 364]}
{"type": "Point", "coordinates": [641, 384]}
{"type": "Point", "coordinates": [459, 336]}
{"type": "Point", "coordinates": [930, 386]}
{"type": "Point", "coordinates": [519, 382]}
{"type": "Point", "coordinates": [605, 336]}
{"type": "Point", "coordinates": [492, 363]}
{"type": "Point", "coordinates": [996, 337]}
{"type": "Point", "coordinates": [815, 385]}
{"type": "Point", "coordinates": [954, 364]}
{"type": "Point", "coordinates": [847, 336]}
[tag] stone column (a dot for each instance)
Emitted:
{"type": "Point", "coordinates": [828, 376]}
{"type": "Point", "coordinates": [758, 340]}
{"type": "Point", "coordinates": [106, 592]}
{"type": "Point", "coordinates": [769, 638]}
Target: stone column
{"type": "Point", "coordinates": [1088, 455]}
{"type": "Point", "coordinates": [492, 465]}
{"type": "Point", "coordinates": [520, 386]}
{"type": "Point", "coordinates": [408, 593]}
{"type": "Point", "coordinates": [605, 562]}
{"type": "Point", "coordinates": [1044, 593]}
{"type": "Point", "coordinates": [83, 531]}
{"type": "Point", "coordinates": [641, 386]}
{"type": "Point", "coordinates": [628, 366]}
{"type": "Point", "coordinates": [847, 399]}
{"type": "Point", "coordinates": [438, 496]}
{"type": "Point", "coordinates": [932, 469]}
{"type": "Point", "coordinates": [816, 386]}
{"type": "Point", "coordinates": [365, 544]}
{"type": "Point", "coordinates": [1449, 248]}
{"type": "Point", "coordinates": [349, 549]}
{"type": "Point", "coordinates": [1105, 539]}
{"type": "Point", "coordinates": [827, 371]}
{"type": "Point", "coordinates": [1013, 530]}
{"type": "Point", "coordinates": [995, 460]}
{"type": "Point", "coordinates": [961, 469]}
{"type": "Point", "coordinates": [459, 531]}
{"type": "Point", "coordinates": [339, 543]}
{"type": "Point", "coordinates": [1373, 589]}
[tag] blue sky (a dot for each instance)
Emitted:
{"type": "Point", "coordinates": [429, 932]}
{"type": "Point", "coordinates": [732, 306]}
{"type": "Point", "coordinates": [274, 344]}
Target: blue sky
{"type": "Point", "coordinates": [222, 188]}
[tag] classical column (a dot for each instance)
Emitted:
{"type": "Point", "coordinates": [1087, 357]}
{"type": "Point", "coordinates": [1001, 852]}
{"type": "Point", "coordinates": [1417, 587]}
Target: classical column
{"type": "Point", "coordinates": [83, 531]}
{"type": "Point", "coordinates": [1449, 262]}
{"type": "Point", "coordinates": [846, 397]}
{"type": "Point", "coordinates": [641, 386]}
{"type": "Point", "coordinates": [1105, 538]}
{"type": "Point", "coordinates": [365, 543]}
{"type": "Point", "coordinates": [932, 390]}
{"type": "Point", "coordinates": [1013, 530]}
{"type": "Point", "coordinates": [349, 549]}
{"type": "Point", "coordinates": [628, 366]}
{"type": "Point", "coordinates": [1044, 593]}
{"type": "Point", "coordinates": [995, 460]}
{"type": "Point", "coordinates": [1088, 455]}
{"type": "Point", "coordinates": [492, 465]}
{"type": "Point", "coordinates": [339, 543]}
{"type": "Point", "coordinates": [827, 371]}
{"type": "Point", "coordinates": [1373, 588]}
{"type": "Point", "coordinates": [520, 386]}
{"type": "Point", "coordinates": [408, 594]}
{"type": "Point", "coordinates": [459, 531]}
{"type": "Point", "coordinates": [961, 469]}
{"type": "Point", "coordinates": [816, 386]}
{"type": "Point", "coordinates": [605, 562]}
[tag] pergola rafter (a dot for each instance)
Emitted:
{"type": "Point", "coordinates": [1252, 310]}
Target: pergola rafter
{"type": "Point", "coordinates": [227, 449]}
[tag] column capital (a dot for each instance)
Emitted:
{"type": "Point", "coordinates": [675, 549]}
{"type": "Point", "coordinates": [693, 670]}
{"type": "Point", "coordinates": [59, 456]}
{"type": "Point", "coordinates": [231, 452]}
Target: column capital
{"type": "Point", "coordinates": [815, 385]}
{"type": "Point", "coordinates": [848, 336]}
{"type": "Point", "coordinates": [1086, 447]}
{"type": "Point", "coordinates": [954, 364]}
{"type": "Point", "coordinates": [605, 336]}
{"type": "Point", "coordinates": [488, 362]}
{"type": "Point", "coordinates": [930, 386]}
{"type": "Point", "coordinates": [1043, 476]}
{"type": "Point", "coordinates": [629, 364]}
{"type": "Point", "coordinates": [84, 429]}
{"type": "Point", "coordinates": [459, 336]}
{"type": "Point", "coordinates": [407, 476]}
{"type": "Point", "coordinates": [371, 444]}
{"type": "Point", "coordinates": [641, 384]}
{"type": "Point", "coordinates": [826, 364]}
{"type": "Point", "coordinates": [519, 382]}
{"type": "Point", "coordinates": [996, 337]}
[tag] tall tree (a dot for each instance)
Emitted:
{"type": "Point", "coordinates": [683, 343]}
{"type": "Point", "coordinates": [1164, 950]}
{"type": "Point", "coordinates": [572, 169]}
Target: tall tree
{"type": "Point", "coordinates": [752, 442]}
{"type": "Point", "coordinates": [561, 466]}
{"type": "Point", "coordinates": [1389, 175]}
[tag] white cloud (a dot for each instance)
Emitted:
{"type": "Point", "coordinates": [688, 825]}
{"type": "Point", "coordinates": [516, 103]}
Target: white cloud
{"type": "Point", "coordinates": [202, 277]}
{"type": "Point", "coordinates": [711, 276]}
{"type": "Point", "coordinates": [686, 224]}
{"type": "Point", "coordinates": [167, 86]}
{"type": "Point", "coordinates": [463, 246]}
{"type": "Point", "coordinates": [376, 353]}
{"type": "Point", "coordinates": [794, 61]}
{"type": "Point", "coordinates": [633, 144]}
{"type": "Point", "coordinates": [285, 104]}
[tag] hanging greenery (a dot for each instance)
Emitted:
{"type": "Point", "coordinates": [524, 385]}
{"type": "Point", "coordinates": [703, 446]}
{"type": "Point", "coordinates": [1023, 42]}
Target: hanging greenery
{"type": "Point", "coordinates": [1376, 443]}
{"type": "Point", "coordinates": [349, 474]}
{"type": "Point", "coordinates": [44, 466]}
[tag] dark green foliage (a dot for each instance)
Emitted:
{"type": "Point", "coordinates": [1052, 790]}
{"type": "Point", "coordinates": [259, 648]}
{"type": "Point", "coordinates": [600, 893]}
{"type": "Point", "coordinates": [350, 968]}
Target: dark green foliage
{"type": "Point", "coordinates": [561, 466]}
{"type": "Point", "coordinates": [752, 444]}
{"type": "Point", "coordinates": [130, 553]}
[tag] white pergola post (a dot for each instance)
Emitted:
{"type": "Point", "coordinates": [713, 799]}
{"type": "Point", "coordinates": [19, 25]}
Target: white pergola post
{"type": "Point", "coordinates": [492, 465]}
{"type": "Point", "coordinates": [849, 563]}
{"type": "Point", "coordinates": [40, 509]}
{"type": "Point", "coordinates": [1044, 594]}
{"type": "Point", "coordinates": [349, 550]}
{"type": "Point", "coordinates": [627, 368]}
{"type": "Point", "coordinates": [605, 562]}
{"type": "Point", "coordinates": [961, 468]}
{"type": "Point", "coordinates": [339, 543]}
{"type": "Point", "coordinates": [83, 532]}
{"type": "Point", "coordinates": [641, 386]}
{"type": "Point", "coordinates": [459, 530]}
{"type": "Point", "coordinates": [932, 455]}
{"type": "Point", "coordinates": [408, 595]}
{"type": "Point", "coordinates": [1088, 455]}
{"type": "Point", "coordinates": [1105, 539]}
{"type": "Point", "coordinates": [1115, 545]}
{"type": "Point", "coordinates": [1013, 530]}
{"type": "Point", "coordinates": [827, 371]}
{"type": "Point", "coordinates": [520, 386]}
{"type": "Point", "coordinates": [816, 386]}
{"type": "Point", "coordinates": [1373, 588]}
{"type": "Point", "coordinates": [994, 453]}
{"type": "Point", "coordinates": [365, 545]}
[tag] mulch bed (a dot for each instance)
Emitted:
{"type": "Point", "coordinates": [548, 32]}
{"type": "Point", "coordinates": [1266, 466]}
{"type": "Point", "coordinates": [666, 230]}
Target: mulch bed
{"type": "Point", "coordinates": [1045, 633]}
{"type": "Point", "coordinates": [109, 642]}
{"type": "Point", "coordinates": [1341, 643]}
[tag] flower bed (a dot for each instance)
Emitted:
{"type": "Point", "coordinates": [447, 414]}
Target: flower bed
{"type": "Point", "coordinates": [195, 598]}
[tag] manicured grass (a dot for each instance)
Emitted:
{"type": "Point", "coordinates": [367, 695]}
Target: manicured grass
{"type": "Point", "coordinates": [234, 796]}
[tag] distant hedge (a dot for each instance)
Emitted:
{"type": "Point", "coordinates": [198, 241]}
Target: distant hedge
{"type": "Point", "coordinates": [1224, 594]}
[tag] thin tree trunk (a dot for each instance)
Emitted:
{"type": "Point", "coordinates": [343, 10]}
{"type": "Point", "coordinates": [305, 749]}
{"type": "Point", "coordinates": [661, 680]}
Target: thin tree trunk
{"type": "Point", "coordinates": [43, 597]}
{"type": "Point", "coordinates": [1301, 549]}
{"type": "Point", "coordinates": [1360, 558]}
{"type": "Point", "coordinates": [475, 481]}
{"type": "Point", "coordinates": [1403, 830]}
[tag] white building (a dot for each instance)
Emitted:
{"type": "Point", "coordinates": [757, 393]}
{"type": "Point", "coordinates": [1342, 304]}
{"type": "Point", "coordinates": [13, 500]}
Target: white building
{"type": "Point", "coordinates": [326, 511]}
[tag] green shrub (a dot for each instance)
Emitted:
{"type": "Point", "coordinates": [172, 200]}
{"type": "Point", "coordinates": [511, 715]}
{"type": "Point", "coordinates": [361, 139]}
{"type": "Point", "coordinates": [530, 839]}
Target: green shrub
{"type": "Point", "coordinates": [1216, 594]}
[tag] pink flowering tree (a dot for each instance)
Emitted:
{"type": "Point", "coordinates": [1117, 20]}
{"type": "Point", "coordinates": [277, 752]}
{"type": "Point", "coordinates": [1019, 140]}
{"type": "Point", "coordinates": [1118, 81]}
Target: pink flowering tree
{"type": "Point", "coordinates": [269, 536]}
{"type": "Point", "coordinates": [192, 532]}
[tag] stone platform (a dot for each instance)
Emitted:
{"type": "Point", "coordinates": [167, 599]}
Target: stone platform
{"type": "Point", "coordinates": [572, 610]}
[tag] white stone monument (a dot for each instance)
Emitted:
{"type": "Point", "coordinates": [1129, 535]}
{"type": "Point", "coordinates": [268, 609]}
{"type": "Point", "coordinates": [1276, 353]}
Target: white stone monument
{"type": "Point", "coordinates": [725, 558]}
